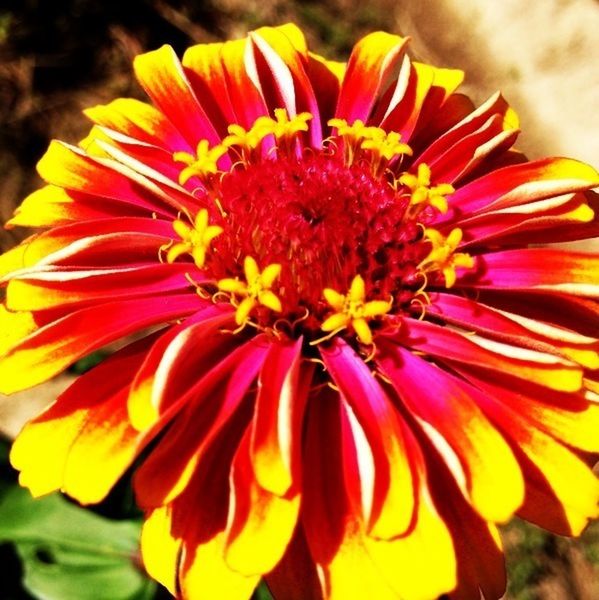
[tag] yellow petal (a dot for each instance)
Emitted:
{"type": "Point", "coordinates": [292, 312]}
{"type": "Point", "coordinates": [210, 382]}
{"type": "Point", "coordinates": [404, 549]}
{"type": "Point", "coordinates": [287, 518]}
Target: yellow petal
{"type": "Point", "coordinates": [362, 331]}
{"type": "Point", "coordinates": [270, 274]}
{"type": "Point", "coordinates": [250, 269]}
{"type": "Point", "coordinates": [334, 298]}
{"type": "Point", "coordinates": [357, 290]}
{"type": "Point", "coordinates": [270, 300]}
{"type": "Point", "coordinates": [244, 309]}
{"type": "Point", "coordinates": [159, 549]}
{"type": "Point", "coordinates": [336, 321]}
{"type": "Point", "coordinates": [376, 308]}
{"type": "Point", "coordinates": [233, 286]}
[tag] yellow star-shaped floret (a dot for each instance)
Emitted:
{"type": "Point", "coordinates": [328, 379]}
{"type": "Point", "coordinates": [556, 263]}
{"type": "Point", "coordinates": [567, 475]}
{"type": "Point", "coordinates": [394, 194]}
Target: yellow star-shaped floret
{"type": "Point", "coordinates": [422, 191]}
{"type": "Point", "coordinates": [283, 127]}
{"type": "Point", "coordinates": [194, 240]}
{"type": "Point", "coordinates": [443, 256]}
{"type": "Point", "coordinates": [256, 290]}
{"type": "Point", "coordinates": [353, 310]}
{"type": "Point", "coordinates": [201, 165]}
{"type": "Point", "coordinates": [245, 139]}
{"type": "Point", "coordinates": [354, 133]}
{"type": "Point", "coordinates": [386, 145]}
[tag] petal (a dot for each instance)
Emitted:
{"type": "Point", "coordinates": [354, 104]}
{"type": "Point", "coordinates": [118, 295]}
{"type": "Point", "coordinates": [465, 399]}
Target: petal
{"type": "Point", "coordinates": [83, 442]}
{"type": "Point", "coordinates": [447, 407]}
{"type": "Point", "coordinates": [523, 183]}
{"type": "Point", "coordinates": [43, 288]}
{"type": "Point", "coordinates": [286, 65]}
{"type": "Point", "coordinates": [210, 404]}
{"type": "Point", "coordinates": [174, 361]}
{"type": "Point", "coordinates": [428, 543]}
{"type": "Point", "coordinates": [393, 507]}
{"type": "Point", "coordinates": [333, 530]}
{"type": "Point", "coordinates": [51, 206]}
{"type": "Point", "coordinates": [67, 166]}
{"type": "Point", "coordinates": [574, 273]}
{"type": "Point", "coordinates": [159, 549]}
{"type": "Point", "coordinates": [140, 241]}
{"type": "Point", "coordinates": [49, 350]}
{"type": "Point", "coordinates": [260, 523]}
{"type": "Point", "coordinates": [562, 493]}
{"type": "Point", "coordinates": [138, 120]}
{"type": "Point", "coordinates": [336, 321]}
{"type": "Point", "coordinates": [277, 423]}
{"type": "Point", "coordinates": [370, 64]}
{"type": "Point", "coordinates": [516, 329]}
{"type": "Point", "coordinates": [334, 298]}
{"type": "Point", "coordinates": [488, 129]}
{"type": "Point", "coordinates": [161, 75]}
{"type": "Point", "coordinates": [295, 576]}
{"type": "Point", "coordinates": [453, 347]}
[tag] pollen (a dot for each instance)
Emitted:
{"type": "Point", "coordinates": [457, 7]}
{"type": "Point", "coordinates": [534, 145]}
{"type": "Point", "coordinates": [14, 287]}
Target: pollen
{"type": "Point", "coordinates": [443, 256]}
{"type": "Point", "coordinates": [352, 310]}
{"type": "Point", "coordinates": [195, 240]}
{"type": "Point", "coordinates": [422, 193]}
{"type": "Point", "coordinates": [203, 165]}
{"type": "Point", "coordinates": [255, 290]}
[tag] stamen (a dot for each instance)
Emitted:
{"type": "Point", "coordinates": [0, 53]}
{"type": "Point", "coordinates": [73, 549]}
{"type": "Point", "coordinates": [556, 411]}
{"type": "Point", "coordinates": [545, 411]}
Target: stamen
{"type": "Point", "coordinates": [443, 256]}
{"type": "Point", "coordinates": [422, 193]}
{"type": "Point", "coordinates": [245, 142]}
{"type": "Point", "coordinates": [352, 310]}
{"type": "Point", "coordinates": [256, 290]}
{"type": "Point", "coordinates": [203, 165]}
{"type": "Point", "coordinates": [196, 240]}
{"type": "Point", "coordinates": [284, 129]}
{"type": "Point", "coordinates": [383, 148]}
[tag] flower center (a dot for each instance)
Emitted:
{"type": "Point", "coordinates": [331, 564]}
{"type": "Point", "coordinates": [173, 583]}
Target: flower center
{"type": "Point", "coordinates": [335, 237]}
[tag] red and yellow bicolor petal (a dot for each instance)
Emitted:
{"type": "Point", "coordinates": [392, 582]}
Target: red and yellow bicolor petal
{"type": "Point", "coordinates": [173, 362]}
{"type": "Point", "coordinates": [371, 61]}
{"type": "Point", "coordinates": [516, 329]}
{"type": "Point", "coordinates": [83, 442]}
{"type": "Point", "coordinates": [161, 75]}
{"type": "Point", "coordinates": [54, 346]}
{"type": "Point", "coordinates": [451, 347]}
{"type": "Point", "coordinates": [574, 273]}
{"type": "Point", "coordinates": [524, 183]}
{"type": "Point", "coordinates": [389, 498]}
{"type": "Point", "coordinates": [69, 167]}
{"type": "Point", "coordinates": [447, 411]}
{"type": "Point", "coordinates": [351, 562]}
{"type": "Point", "coordinates": [562, 493]}
{"type": "Point", "coordinates": [283, 387]}
{"type": "Point", "coordinates": [209, 407]}
{"type": "Point", "coordinates": [101, 242]}
{"type": "Point", "coordinates": [260, 523]}
{"type": "Point", "coordinates": [140, 121]}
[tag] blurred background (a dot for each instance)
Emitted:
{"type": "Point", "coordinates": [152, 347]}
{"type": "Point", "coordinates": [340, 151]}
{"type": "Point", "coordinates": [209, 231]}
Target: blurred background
{"type": "Point", "coordinates": [58, 57]}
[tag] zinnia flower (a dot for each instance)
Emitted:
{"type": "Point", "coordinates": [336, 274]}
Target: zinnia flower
{"type": "Point", "coordinates": [356, 351]}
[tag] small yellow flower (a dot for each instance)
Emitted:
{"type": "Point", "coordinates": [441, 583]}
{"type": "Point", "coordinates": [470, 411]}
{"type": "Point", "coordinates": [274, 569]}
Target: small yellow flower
{"type": "Point", "coordinates": [195, 240]}
{"type": "Point", "coordinates": [201, 165]}
{"type": "Point", "coordinates": [386, 145]}
{"type": "Point", "coordinates": [283, 127]}
{"type": "Point", "coordinates": [352, 310]}
{"type": "Point", "coordinates": [422, 191]}
{"type": "Point", "coordinates": [443, 256]}
{"type": "Point", "coordinates": [245, 140]}
{"type": "Point", "coordinates": [256, 290]}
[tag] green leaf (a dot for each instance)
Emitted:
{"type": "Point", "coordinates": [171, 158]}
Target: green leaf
{"type": "Point", "coordinates": [69, 552]}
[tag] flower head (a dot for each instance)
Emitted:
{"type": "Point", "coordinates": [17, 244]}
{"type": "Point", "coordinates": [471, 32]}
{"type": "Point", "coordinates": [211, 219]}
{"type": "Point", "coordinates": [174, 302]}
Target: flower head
{"type": "Point", "coordinates": [266, 197]}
